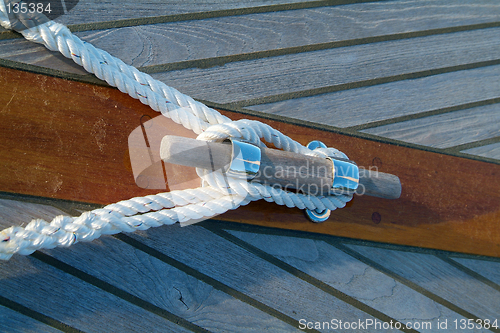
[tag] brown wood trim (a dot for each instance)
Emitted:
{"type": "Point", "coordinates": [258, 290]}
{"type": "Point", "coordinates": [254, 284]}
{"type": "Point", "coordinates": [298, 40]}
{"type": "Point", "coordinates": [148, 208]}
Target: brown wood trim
{"type": "Point", "coordinates": [69, 140]}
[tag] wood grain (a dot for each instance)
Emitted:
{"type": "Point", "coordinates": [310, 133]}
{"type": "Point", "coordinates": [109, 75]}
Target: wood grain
{"type": "Point", "coordinates": [198, 39]}
{"type": "Point", "coordinates": [67, 299]}
{"type": "Point", "coordinates": [446, 130]}
{"type": "Point", "coordinates": [250, 80]}
{"type": "Point", "coordinates": [491, 151]}
{"type": "Point", "coordinates": [347, 274]}
{"type": "Point", "coordinates": [97, 11]}
{"type": "Point", "coordinates": [74, 146]}
{"type": "Point", "coordinates": [59, 124]}
{"type": "Point", "coordinates": [174, 290]}
{"type": "Point", "coordinates": [34, 54]}
{"type": "Point", "coordinates": [486, 268]}
{"type": "Point", "coordinates": [14, 213]}
{"type": "Point", "coordinates": [14, 322]}
{"type": "Point", "coordinates": [180, 41]}
{"type": "Point", "coordinates": [166, 287]}
{"type": "Point", "coordinates": [438, 277]}
{"type": "Point", "coordinates": [17, 213]}
{"type": "Point", "coordinates": [247, 273]}
{"type": "Point", "coordinates": [385, 101]}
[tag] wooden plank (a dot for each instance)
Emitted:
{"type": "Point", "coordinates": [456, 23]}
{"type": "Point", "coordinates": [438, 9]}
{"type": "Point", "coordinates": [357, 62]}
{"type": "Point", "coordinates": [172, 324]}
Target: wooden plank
{"type": "Point", "coordinates": [487, 268]}
{"type": "Point", "coordinates": [179, 41]}
{"type": "Point", "coordinates": [368, 104]}
{"type": "Point", "coordinates": [440, 278]}
{"type": "Point", "coordinates": [93, 12]}
{"type": "Point", "coordinates": [491, 151]}
{"type": "Point", "coordinates": [175, 291]}
{"type": "Point", "coordinates": [14, 322]}
{"type": "Point", "coordinates": [247, 273]}
{"type": "Point", "coordinates": [63, 124]}
{"type": "Point", "coordinates": [247, 81]}
{"type": "Point", "coordinates": [19, 213]}
{"type": "Point", "coordinates": [166, 287]}
{"type": "Point", "coordinates": [58, 127]}
{"type": "Point", "coordinates": [97, 11]}
{"type": "Point", "coordinates": [446, 130]}
{"type": "Point", "coordinates": [35, 54]}
{"type": "Point", "coordinates": [352, 277]}
{"type": "Point", "coordinates": [67, 299]}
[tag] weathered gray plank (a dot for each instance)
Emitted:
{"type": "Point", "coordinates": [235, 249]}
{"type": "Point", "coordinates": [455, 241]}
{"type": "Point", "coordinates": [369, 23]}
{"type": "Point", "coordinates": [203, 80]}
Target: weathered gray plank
{"type": "Point", "coordinates": [198, 39]}
{"type": "Point", "coordinates": [352, 277]}
{"type": "Point", "coordinates": [14, 322]}
{"type": "Point", "coordinates": [249, 80]}
{"type": "Point", "coordinates": [245, 272]}
{"type": "Point", "coordinates": [51, 292]}
{"type": "Point", "coordinates": [14, 213]}
{"type": "Point", "coordinates": [438, 277]}
{"type": "Point", "coordinates": [148, 278]}
{"type": "Point", "coordinates": [491, 151]}
{"type": "Point", "coordinates": [446, 130]}
{"type": "Point", "coordinates": [486, 268]}
{"type": "Point", "coordinates": [167, 287]}
{"type": "Point", "coordinates": [363, 105]}
{"type": "Point", "coordinates": [172, 42]}
{"type": "Point", "coordinates": [67, 299]}
{"type": "Point", "coordinates": [97, 11]}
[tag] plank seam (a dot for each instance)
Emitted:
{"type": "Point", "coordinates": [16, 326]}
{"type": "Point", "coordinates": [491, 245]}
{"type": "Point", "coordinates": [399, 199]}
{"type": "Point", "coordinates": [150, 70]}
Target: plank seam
{"type": "Point", "coordinates": [311, 235]}
{"type": "Point", "coordinates": [425, 114]}
{"type": "Point", "coordinates": [196, 16]}
{"type": "Point", "coordinates": [120, 293]}
{"type": "Point", "coordinates": [474, 144]}
{"type": "Point", "coordinates": [406, 282]}
{"type": "Point", "coordinates": [469, 272]}
{"type": "Point", "coordinates": [207, 279]}
{"type": "Point", "coordinates": [37, 315]}
{"type": "Point", "coordinates": [223, 60]}
{"type": "Point", "coordinates": [303, 276]}
{"type": "Point", "coordinates": [359, 84]}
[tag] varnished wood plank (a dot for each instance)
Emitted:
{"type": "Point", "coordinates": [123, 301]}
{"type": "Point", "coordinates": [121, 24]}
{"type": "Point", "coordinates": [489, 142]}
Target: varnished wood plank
{"type": "Point", "coordinates": [438, 277]}
{"type": "Point", "coordinates": [166, 287]}
{"type": "Point", "coordinates": [352, 277]}
{"type": "Point", "coordinates": [247, 81]}
{"type": "Point", "coordinates": [14, 322]}
{"type": "Point", "coordinates": [62, 130]}
{"type": "Point", "coordinates": [491, 151]}
{"type": "Point", "coordinates": [69, 300]}
{"type": "Point", "coordinates": [446, 130]}
{"type": "Point", "coordinates": [396, 99]}
{"type": "Point", "coordinates": [63, 125]}
{"type": "Point", "coordinates": [247, 273]}
{"type": "Point", "coordinates": [179, 41]}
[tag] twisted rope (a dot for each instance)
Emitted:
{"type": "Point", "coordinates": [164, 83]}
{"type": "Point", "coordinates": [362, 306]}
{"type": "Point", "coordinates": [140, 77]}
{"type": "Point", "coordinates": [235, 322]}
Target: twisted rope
{"type": "Point", "coordinates": [220, 195]}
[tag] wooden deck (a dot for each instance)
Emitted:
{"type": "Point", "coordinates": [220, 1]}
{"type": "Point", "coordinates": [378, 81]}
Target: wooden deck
{"type": "Point", "coordinates": [424, 74]}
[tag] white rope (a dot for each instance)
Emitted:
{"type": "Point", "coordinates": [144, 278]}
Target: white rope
{"type": "Point", "coordinates": [222, 193]}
